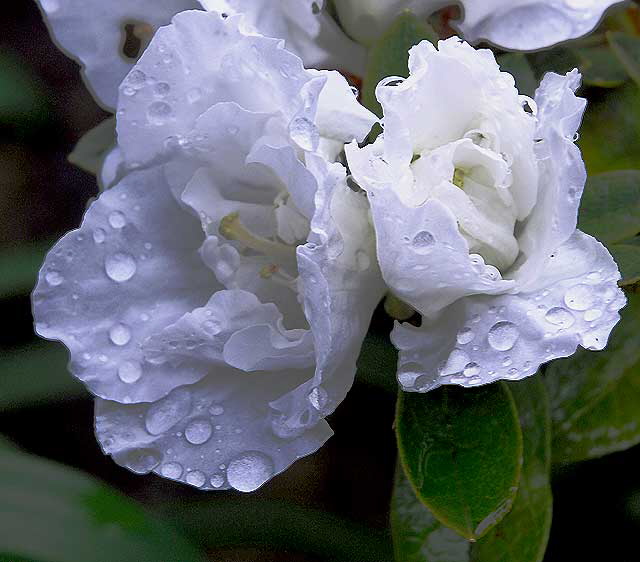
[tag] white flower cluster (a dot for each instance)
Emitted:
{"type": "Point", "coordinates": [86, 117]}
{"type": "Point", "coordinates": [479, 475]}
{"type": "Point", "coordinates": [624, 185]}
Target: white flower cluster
{"type": "Point", "coordinates": [215, 299]}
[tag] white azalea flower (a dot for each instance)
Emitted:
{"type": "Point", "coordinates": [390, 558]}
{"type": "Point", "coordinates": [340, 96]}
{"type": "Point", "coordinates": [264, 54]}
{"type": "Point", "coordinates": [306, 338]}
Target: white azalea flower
{"type": "Point", "coordinates": [474, 194]}
{"type": "Point", "coordinates": [216, 298]}
{"type": "Point", "coordinates": [512, 24]}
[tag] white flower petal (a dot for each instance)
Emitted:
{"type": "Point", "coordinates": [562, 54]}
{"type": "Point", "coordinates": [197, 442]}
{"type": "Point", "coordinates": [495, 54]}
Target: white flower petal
{"type": "Point", "coordinates": [214, 434]}
{"type": "Point", "coordinates": [93, 33]}
{"type": "Point", "coordinates": [199, 60]}
{"type": "Point", "coordinates": [130, 269]}
{"type": "Point", "coordinates": [530, 24]}
{"type": "Point", "coordinates": [480, 339]}
{"type": "Point", "coordinates": [307, 29]}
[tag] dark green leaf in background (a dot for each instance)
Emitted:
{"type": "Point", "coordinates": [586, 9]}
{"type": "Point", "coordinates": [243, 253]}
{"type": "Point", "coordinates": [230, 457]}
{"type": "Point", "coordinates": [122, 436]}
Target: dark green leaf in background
{"type": "Point", "coordinates": [389, 55]}
{"type": "Point", "coordinates": [600, 67]}
{"type": "Point", "coordinates": [595, 395]}
{"type": "Point", "coordinates": [518, 66]}
{"type": "Point", "coordinates": [627, 48]}
{"type": "Point", "coordinates": [521, 536]}
{"type": "Point", "coordinates": [52, 513]}
{"type": "Point", "coordinates": [19, 267]}
{"type": "Point", "coordinates": [462, 452]}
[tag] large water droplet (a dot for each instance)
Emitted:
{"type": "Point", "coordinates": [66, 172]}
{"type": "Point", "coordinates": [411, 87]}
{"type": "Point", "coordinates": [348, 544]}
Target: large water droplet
{"type": "Point", "coordinates": [250, 470]}
{"type": "Point", "coordinates": [171, 470]}
{"type": "Point", "coordinates": [119, 334]}
{"type": "Point", "coordinates": [54, 278]}
{"type": "Point", "coordinates": [129, 371]}
{"type": "Point", "coordinates": [217, 480]}
{"type": "Point", "coordinates": [423, 241]}
{"type": "Point", "coordinates": [559, 316]}
{"type": "Point", "coordinates": [159, 112]}
{"type": "Point", "coordinates": [198, 432]}
{"type": "Point", "coordinates": [117, 220]}
{"type": "Point", "coordinates": [579, 297]}
{"type": "Point", "coordinates": [165, 413]}
{"type": "Point", "coordinates": [471, 369]}
{"type": "Point", "coordinates": [142, 461]}
{"type": "Point", "coordinates": [120, 267]}
{"type": "Point", "coordinates": [503, 336]}
{"type": "Point", "coordinates": [456, 362]}
{"type": "Point", "coordinates": [196, 478]}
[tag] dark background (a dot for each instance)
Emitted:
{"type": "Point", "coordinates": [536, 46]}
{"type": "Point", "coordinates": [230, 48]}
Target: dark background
{"type": "Point", "coordinates": [339, 495]}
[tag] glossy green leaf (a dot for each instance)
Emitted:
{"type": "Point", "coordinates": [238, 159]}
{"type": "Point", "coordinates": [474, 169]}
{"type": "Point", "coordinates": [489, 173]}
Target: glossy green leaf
{"type": "Point", "coordinates": [521, 536]}
{"type": "Point", "coordinates": [600, 67]}
{"type": "Point", "coordinates": [461, 450]}
{"type": "Point", "coordinates": [389, 55]}
{"type": "Point", "coordinates": [518, 66]}
{"type": "Point", "coordinates": [53, 513]}
{"type": "Point", "coordinates": [19, 265]}
{"type": "Point", "coordinates": [610, 130]}
{"type": "Point", "coordinates": [595, 396]}
{"type": "Point", "coordinates": [35, 375]}
{"type": "Point", "coordinates": [610, 207]}
{"type": "Point", "coordinates": [627, 48]}
{"type": "Point", "coordinates": [627, 257]}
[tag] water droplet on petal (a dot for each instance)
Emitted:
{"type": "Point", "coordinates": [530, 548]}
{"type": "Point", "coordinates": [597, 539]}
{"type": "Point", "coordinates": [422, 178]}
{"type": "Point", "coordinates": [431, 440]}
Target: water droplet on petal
{"type": "Point", "coordinates": [117, 220]}
{"type": "Point", "coordinates": [423, 241]}
{"type": "Point", "coordinates": [560, 317]}
{"type": "Point", "coordinates": [304, 133]}
{"type": "Point", "coordinates": [98, 236]}
{"type": "Point", "coordinates": [250, 470]}
{"type": "Point", "coordinates": [471, 369]}
{"type": "Point", "coordinates": [171, 470]}
{"type": "Point", "coordinates": [165, 413]}
{"type": "Point", "coordinates": [120, 267]}
{"type": "Point", "coordinates": [579, 297]}
{"type": "Point", "coordinates": [216, 410]}
{"type": "Point", "coordinates": [196, 478]}
{"type": "Point", "coordinates": [503, 336]}
{"type": "Point", "coordinates": [318, 398]}
{"type": "Point", "coordinates": [119, 334]}
{"type": "Point", "coordinates": [198, 432]}
{"type": "Point", "coordinates": [456, 362]}
{"type": "Point", "coordinates": [129, 371]}
{"type": "Point", "coordinates": [54, 278]}
{"type": "Point", "coordinates": [465, 336]}
{"type": "Point", "coordinates": [593, 314]}
{"type": "Point", "coordinates": [217, 480]}
{"type": "Point", "coordinates": [142, 461]}
{"type": "Point", "coordinates": [159, 112]}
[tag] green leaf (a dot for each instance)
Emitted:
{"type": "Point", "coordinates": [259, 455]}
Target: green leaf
{"type": "Point", "coordinates": [627, 49]}
{"type": "Point", "coordinates": [600, 67]}
{"type": "Point", "coordinates": [19, 265]}
{"type": "Point", "coordinates": [521, 536]}
{"type": "Point", "coordinates": [378, 362]}
{"type": "Point", "coordinates": [627, 257]}
{"type": "Point", "coordinates": [610, 129]}
{"type": "Point", "coordinates": [462, 450]}
{"type": "Point", "coordinates": [389, 55]}
{"type": "Point", "coordinates": [53, 513]}
{"type": "Point", "coordinates": [595, 396]}
{"type": "Point", "coordinates": [22, 101]}
{"type": "Point", "coordinates": [35, 375]}
{"type": "Point", "coordinates": [610, 207]}
{"type": "Point", "coordinates": [518, 66]}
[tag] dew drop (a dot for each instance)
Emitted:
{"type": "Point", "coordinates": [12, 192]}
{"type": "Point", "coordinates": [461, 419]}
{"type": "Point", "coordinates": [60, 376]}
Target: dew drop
{"type": "Point", "coordinates": [116, 219]}
{"type": "Point", "coordinates": [166, 413]}
{"type": "Point", "coordinates": [593, 314]}
{"type": "Point", "coordinates": [503, 336]}
{"type": "Point", "coordinates": [142, 461]}
{"type": "Point", "coordinates": [129, 372]}
{"type": "Point", "coordinates": [559, 316]}
{"type": "Point", "coordinates": [171, 470]}
{"type": "Point", "coordinates": [216, 410]}
{"type": "Point", "coordinates": [250, 470]}
{"type": "Point", "coordinates": [465, 336]}
{"type": "Point", "coordinates": [98, 236]}
{"type": "Point", "coordinates": [304, 133]}
{"type": "Point", "coordinates": [119, 334]}
{"type": "Point", "coordinates": [194, 95]}
{"type": "Point", "coordinates": [423, 241]}
{"type": "Point", "coordinates": [159, 112]}
{"type": "Point", "coordinates": [471, 369]}
{"type": "Point", "coordinates": [198, 432]}
{"type": "Point", "coordinates": [217, 480]}
{"type": "Point", "coordinates": [162, 89]}
{"type": "Point", "coordinates": [196, 478]}
{"type": "Point", "coordinates": [579, 297]}
{"type": "Point", "coordinates": [120, 267]}
{"type": "Point", "coordinates": [318, 398]}
{"type": "Point", "coordinates": [54, 278]}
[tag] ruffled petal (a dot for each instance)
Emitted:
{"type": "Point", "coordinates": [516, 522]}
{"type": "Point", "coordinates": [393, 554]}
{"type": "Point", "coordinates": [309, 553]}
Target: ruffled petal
{"type": "Point", "coordinates": [562, 175]}
{"type": "Point", "coordinates": [480, 339]}
{"type": "Point", "coordinates": [530, 24]}
{"type": "Point", "coordinates": [341, 286]}
{"type": "Point", "coordinates": [215, 434]}
{"type": "Point", "coordinates": [131, 269]}
{"type": "Point", "coordinates": [308, 30]}
{"type": "Point", "coordinates": [202, 59]}
{"type": "Point", "coordinates": [93, 33]}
